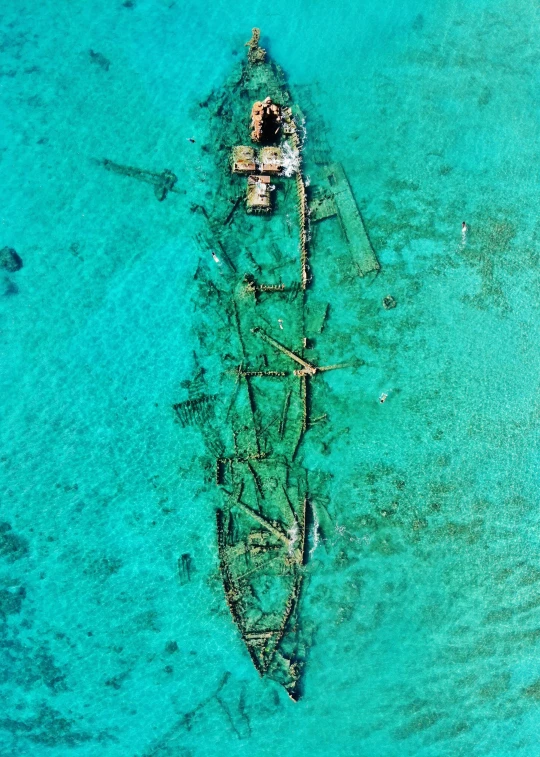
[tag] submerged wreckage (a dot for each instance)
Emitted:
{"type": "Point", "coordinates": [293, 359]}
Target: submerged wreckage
{"type": "Point", "coordinates": [261, 289]}
{"type": "Point", "coordinates": [259, 308]}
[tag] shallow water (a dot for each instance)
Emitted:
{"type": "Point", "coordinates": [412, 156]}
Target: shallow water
{"type": "Point", "coordinates": [422, 600]}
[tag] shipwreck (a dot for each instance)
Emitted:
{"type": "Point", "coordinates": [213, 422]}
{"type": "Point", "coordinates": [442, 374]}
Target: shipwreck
{"type": "Point", "coordinates": [255, 423]}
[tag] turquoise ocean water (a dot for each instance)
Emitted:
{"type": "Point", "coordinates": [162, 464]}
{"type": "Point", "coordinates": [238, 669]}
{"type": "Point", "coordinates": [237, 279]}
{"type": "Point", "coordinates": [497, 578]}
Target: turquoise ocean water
{"type": "Point", "coordinates": [423, 601]}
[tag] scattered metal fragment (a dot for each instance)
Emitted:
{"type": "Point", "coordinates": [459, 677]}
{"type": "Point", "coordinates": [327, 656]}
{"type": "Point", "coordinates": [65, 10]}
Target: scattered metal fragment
{"type": "Point", "coordinates": [163, 182]}
{"type": "Point", "coordinates": [100, 60]}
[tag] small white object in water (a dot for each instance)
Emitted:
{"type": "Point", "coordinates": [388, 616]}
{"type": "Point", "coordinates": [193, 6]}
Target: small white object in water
{"type": "Point", "coordinates": [315, 533]}
{"type": "Point", "coordinates": [383, 397]}
{"type": "Point", "coordinates": [216, 259]}
{"type": "Point", "coordinates": [294, 535]}
{"type": "Point", "coordinates": [280, 321]}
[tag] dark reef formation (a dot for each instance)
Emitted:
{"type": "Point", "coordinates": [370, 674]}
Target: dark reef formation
{"type": "Point", "coordinates": [10, 260]}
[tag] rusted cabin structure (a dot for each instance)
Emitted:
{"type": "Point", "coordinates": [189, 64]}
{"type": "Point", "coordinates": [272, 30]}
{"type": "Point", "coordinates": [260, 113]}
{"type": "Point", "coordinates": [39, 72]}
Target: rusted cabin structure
{"type": "Point", "coordinates": [243, 160]}
{"type": "Point", "coordinates": [258, 198]}
{"type": "Point", "coordinates": [270, 160]}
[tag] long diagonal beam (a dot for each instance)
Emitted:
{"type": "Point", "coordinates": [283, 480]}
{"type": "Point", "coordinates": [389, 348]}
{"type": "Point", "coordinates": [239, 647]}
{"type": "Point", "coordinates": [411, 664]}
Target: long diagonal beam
{"type": "Point", "coordinates": [308, 368]}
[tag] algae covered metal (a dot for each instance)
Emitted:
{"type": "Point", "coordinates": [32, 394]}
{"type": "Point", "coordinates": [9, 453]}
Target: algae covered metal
{"type": "Point", "coordinates": [255, 418]}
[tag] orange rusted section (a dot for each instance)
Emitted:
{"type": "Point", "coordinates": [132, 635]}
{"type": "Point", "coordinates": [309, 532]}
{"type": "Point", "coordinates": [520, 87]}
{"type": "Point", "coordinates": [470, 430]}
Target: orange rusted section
{"type": "Point", "coordinates": [265, 121]}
